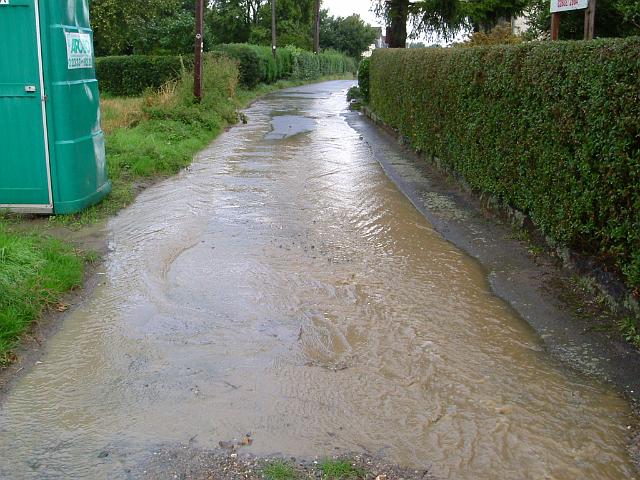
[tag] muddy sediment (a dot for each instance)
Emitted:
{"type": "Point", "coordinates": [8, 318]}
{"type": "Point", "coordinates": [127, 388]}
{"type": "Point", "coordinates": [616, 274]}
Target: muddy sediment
{"type": "Point", "coordinates": [284, 286]}
{"type": "Point", "coordinates": [185, 462]}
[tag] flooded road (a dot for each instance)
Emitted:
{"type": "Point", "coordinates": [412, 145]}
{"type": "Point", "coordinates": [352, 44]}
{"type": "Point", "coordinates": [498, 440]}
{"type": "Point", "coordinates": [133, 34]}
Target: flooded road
{"type": "Point", "coordinates": [283, 286]}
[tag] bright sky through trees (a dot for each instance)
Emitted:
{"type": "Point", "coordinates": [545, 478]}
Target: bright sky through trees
{"type": "Point", "coordinates": [344, 8]}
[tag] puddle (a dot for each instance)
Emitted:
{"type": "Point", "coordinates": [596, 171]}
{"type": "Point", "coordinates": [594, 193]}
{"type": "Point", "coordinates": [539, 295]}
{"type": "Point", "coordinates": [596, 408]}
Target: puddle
{"type": "Point", "coordinates": [285, 126]}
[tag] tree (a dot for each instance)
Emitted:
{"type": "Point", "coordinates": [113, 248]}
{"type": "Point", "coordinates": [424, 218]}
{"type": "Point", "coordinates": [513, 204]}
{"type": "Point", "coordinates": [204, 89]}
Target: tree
{"type": "Point", "coordinates": [443, 18]}
{"type": "Point", "coordinates": [230, 21]}
{"type": "Point", "coordinates": [124, 27]}
{"type": "Point", "coordinates": [397, 14]}
{"type": "Point", "coordinates": [295, 20]}
{"type": "Point", "coordinates": [350, 35]}
{"type": "Point", "coordinates": [630, 10]}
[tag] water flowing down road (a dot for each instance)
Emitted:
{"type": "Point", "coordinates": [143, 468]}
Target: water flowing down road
{"type": "Point", "coordinates": [284, 286]}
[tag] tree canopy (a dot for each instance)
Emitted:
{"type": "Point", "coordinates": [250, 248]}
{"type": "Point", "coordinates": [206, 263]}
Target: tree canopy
{"type": "Point", "coordinates": [350, 35]}
{"type": "Point", "coordinates": [443, 18]}
{"type": "Point", "coordinates": [123, 27]}
{"type": "Point", "coordinates": [446, 18]}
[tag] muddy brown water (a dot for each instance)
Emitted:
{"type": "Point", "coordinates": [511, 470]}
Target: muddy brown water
{"type": "Point", "coordinates": [283, 286]}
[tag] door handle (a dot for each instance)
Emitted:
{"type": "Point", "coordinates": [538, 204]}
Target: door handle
{"type": "Point", "coordinates": [30, 88]}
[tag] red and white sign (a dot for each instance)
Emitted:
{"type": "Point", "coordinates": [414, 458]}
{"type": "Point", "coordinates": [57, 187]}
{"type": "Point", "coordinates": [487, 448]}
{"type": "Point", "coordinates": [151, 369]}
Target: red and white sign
{"type": "Point", "coordinates": [564, 5]}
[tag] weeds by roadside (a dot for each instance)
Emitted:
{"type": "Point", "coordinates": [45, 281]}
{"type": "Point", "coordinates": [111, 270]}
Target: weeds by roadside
{"type": "Point", "coordinates": [340, 469]}
{"type": "Point", "coordinates": [35, 271]}
{"type": "Point", "coordinates": [329, 469]}
{"type": "Point", "coordinates": [280, 470]}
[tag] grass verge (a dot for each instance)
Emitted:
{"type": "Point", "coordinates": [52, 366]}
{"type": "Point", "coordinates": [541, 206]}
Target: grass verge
{"type": "Point", "coordinates": [35, 271]}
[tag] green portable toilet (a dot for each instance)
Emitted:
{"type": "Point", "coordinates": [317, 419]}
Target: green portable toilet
{"type": "Point", "coordinates": [52, 156]}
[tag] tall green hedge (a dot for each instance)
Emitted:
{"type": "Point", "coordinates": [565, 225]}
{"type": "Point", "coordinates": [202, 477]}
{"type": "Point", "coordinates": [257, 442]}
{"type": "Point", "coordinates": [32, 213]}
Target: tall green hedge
{"type": "Point", "coordinates": [551, 128]}
{"type": "Point", "coordinates": [257, 64]}
{"type": "Point", "coordinates": [363, 78]}
{"type": "Point", "coordinates": [131, 75]}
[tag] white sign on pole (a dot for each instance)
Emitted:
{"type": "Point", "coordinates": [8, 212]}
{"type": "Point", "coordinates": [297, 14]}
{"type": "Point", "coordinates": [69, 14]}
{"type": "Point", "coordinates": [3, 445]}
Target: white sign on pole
{"type": "Point", "coordinates": [565, 5]}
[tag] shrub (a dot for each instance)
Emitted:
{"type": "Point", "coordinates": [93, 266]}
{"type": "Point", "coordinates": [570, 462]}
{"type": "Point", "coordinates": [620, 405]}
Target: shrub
{"type": "Point", "coordinates": [363, 78]}
{"type": "Point", "coordinates": [500, 35]}
{"type": "Point", "coordinates": [131, 75]}
{"type": "Point", "coordinates": [308, 66]}
{"type": "Point", "coordinates": [552, 129]}
{"type": "Point", "coordinates": [252, 67]}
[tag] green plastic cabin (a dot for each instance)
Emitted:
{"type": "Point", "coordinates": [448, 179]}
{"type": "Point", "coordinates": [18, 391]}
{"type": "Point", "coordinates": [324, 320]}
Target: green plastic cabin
{"type": "Point", "coordinates": [52, 157]}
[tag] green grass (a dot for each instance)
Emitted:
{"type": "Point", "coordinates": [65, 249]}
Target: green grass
{"type": "Point", "coordinates": [280, 470]}
{"type": "Point", "coordinates": [628, 327]}
{"type": "Point", "coordinates": [35, 271]}
{"type": "Point", "coordinates": [340, 470]}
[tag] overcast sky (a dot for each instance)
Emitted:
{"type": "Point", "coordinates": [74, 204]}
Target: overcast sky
{"type": "Point", "coordinates": [344, 8]}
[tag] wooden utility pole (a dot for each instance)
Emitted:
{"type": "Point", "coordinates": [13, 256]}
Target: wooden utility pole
{"type": "Point", "coordinates": [197, 68]}
{"type": "Point", "coordinates": [273, 27]}
{"type": "Point", "coordinates": [589, 20]}
{"type": "Point", "coordinates": [555, 25]}
{"type": "Point", "coordinates": [316, 30]}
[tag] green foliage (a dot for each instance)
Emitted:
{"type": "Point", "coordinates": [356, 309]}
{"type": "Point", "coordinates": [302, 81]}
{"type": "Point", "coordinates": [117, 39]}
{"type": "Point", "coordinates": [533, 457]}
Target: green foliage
{"type": "Point", "coordinates": [34, 273]}
{"type": "Point", "coordinates": [308, 66]}
{"type": "Point", "coordinates": [363, 78]}
{"type": "Point", "coordinates": [500, 35]}
{"type": "Point", "coordinates": [444, 19]}
{"type": "Point", "coordinates": [628, 327]}
{"type": "Point", "coordinates": [280, 470]}
{"type": "Point", "coordinates": [340, 470]}
{"type": "Point", "coordinates": [257, 64]}
{"type": "Point", "coordinates": [252, 67]}
{"type": "Point", "coordinates": [174, 127]}
{"type": "Point", "coordinates": [354, 93]}
{"type": "Point", "coordinates": [230, 21]}
{"type": "Point", "coordinates": [143, 27]}
{"type": "Point", "coordinates": [131, 75]}
{"type": "Point", "coordinates": [350, 35]}
{"type": "Point", "coordinates": [630, 11]}
{"type": "Point", "coordinates": [552, 129]}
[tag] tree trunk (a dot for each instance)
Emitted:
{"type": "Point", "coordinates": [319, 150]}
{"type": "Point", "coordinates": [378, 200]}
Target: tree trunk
{"type": "Point", "coordinates": [397, 29]}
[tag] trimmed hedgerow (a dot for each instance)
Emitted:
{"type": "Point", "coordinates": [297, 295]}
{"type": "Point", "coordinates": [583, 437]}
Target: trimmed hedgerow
{"type": "Point", "coordinates": [130, 75]}
{"type": "Point", "coordinates": [307, 65]}
{"type": "Point", "coordinates": [252, 67]}
{"type": "Point", "coordinates": [552, 129]}
{"type": "Point", "coordinates": [257, 64]}
{"type": "Point", "coordinates": [363, 78]}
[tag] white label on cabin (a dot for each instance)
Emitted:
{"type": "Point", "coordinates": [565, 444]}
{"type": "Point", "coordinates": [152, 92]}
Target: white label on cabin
{"type": "Point", "coordinates": [79, 50]}
{"type": "Point", "coordinates": [564, 5]}
{"type": "Point", "coordinates": [4, 2]}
